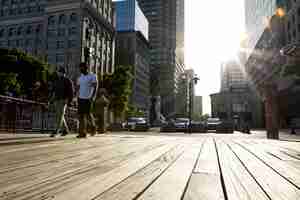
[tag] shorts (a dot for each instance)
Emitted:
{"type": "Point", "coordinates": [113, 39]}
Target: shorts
{"type": "Point", "coordinates": [84, 106]}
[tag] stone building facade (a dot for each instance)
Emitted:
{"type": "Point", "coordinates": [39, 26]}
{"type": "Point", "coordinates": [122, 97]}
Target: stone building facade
{"type": "Point", "coordinates": [61, 32]}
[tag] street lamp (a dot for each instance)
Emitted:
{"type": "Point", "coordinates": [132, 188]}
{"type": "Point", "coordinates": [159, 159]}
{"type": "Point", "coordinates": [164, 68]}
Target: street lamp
{"type": "Point", "coordinates": [194, 80]}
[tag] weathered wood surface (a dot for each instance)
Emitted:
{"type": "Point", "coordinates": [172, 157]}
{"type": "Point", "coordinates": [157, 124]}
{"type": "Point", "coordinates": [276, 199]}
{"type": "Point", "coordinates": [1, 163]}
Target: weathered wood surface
{"type": "Point", "coordinates": [143, 167]}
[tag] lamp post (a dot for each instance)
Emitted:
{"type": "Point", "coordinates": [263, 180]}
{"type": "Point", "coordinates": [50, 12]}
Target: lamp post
{"type": "Point", "coordinates": [194, 80]}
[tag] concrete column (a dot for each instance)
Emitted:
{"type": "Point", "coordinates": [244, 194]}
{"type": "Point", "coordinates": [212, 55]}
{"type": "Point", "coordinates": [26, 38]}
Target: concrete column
{"type": "Point", "coordinates": [272, 112]}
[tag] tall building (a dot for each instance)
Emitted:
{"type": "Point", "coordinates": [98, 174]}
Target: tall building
{"type": "Point", "coordinates": [264, 62]}
{"type": "Point", "coordinates": [129, 17]}
{"type": "Point", "coordinates": [236, 99]}
{"type": "Point", "coordinates": [132, 48]}
{"type": "Point", "coordinates": [63, 33]}
{"type": "Point", "coordinates": [232, 76]}
{"type": "Point", "coordinates": [166, 36]}
{"type": "Point", "coordinates": [258, 15]}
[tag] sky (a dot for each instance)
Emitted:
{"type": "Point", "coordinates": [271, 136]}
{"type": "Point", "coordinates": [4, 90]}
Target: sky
{"type": "Point", "coordinates": [213, 31]}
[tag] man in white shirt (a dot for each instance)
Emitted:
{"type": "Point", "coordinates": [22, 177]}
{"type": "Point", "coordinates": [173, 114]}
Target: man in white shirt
{"type": "Point", "coordinates": [87, 86]}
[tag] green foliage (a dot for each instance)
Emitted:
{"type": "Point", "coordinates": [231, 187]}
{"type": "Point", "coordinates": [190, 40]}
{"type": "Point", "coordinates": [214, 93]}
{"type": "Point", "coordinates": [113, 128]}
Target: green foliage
{"type": "Point", "coordinates": [118, 87]}
{"type": "Point", "coordinates": [8, 83]}
{"type": "Point", "coordinates": [204, 117]}
{"type": "Point", "coordinates": [291, 70]}
{"type": "Point", "coordinates": [28, 69]}
{"type": "Point", "coordinates": [132, 111]}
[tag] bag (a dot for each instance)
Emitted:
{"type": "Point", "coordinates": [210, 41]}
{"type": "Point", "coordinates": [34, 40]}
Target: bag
{"type": "Point", "coordinates": [69, 89]}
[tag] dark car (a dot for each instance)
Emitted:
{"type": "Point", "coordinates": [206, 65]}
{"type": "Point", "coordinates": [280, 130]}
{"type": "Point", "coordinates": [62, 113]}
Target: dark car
{"type": "Point", "coordinates": [226, 126]}
{"type": "Point", "coordinates": [181, 124]}
{"type": "Point", "coordinates": [197, 127]}
{"type": "Point", "coordinates": [213, 123]}
{"type": "Point", "coordinates": [137, 124]}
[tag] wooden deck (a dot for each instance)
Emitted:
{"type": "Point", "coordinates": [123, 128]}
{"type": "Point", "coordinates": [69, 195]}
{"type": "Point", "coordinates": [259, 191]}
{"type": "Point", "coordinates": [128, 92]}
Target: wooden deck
{"type": "Point", "coordinates": [138, 167]}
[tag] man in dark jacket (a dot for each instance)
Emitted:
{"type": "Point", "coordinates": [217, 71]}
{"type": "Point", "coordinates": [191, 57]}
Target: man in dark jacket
{"type": "Point", "coordinates": [62, 95]}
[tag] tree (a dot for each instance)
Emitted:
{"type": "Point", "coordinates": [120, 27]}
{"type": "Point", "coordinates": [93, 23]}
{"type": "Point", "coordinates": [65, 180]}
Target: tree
{"type": "Point", "coordinates": [28, 70]}
{"type": "Point", "coordinates": [118, 87]}
{"type": "Point", "coordinates": [9, 83]}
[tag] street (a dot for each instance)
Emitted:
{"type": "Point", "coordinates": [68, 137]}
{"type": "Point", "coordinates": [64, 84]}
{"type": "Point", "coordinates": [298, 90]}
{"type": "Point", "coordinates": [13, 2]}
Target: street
{"type": "Point", "coordinates": [152, 165]}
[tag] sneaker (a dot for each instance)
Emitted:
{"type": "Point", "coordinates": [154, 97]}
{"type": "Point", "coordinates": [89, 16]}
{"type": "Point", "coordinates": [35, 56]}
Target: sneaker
{"type": "Point", "coordinates": [81, 136]}
{"type": "Point", "coordinates": [64, 133]}
{"type": "Point", "coordinates": [53, 134]}
{"type": "Point", "coordinates": [94, 132]}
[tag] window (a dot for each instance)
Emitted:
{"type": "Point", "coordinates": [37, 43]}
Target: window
{"type": "Point", "coordinates": [51, 20]}
{"type": "Point", "coordinates": [72, 31]}
{"type": "Point", "coordinates": [39, 28]}
{"type": "Point", "coordinates": [29, 30]}
{"type": "Point", "coordinates": [29, 43]}
{"type": "Point", "coordinates": [1, 33]}
{"type": "Point", "coordinates": [20, 30]}
{"type": "Point", "coordinates": [73, 18]}
{"type": "Point", "coordinates": [4, 2]}
{"type": "Point", "coordinates": [51, 33]}
{"type": "Point", "coordinates": [60, 44]}
{"type": "Point", "coordinates": [294, 18]}
{"type": "Point", "coordinates": [11, 31]}
{"type": "Point", "coordinates": [60, 58]}
{"type": "Point", "coordinates": [61, 32]}
{"type": "Point", "coordinates": [72, 43]}
{"type": "Point", "coordinates": [51, 59]}
{"type": "Point", "coordinates": [62, 19]}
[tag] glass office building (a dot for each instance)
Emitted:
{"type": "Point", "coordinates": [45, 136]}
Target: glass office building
{"type": "Point", "coordinates": [131, 18]}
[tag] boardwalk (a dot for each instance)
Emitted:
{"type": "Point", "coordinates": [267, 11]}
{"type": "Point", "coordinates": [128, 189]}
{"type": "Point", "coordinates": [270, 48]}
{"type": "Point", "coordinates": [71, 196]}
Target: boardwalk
{"type": "Point", "coordinates": [149, 167]}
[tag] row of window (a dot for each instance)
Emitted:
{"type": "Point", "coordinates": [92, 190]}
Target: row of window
{"type": "Point", "coordinates": [20, 31]}
{"type": "Point", "coordinates": [293, 25]}
{"type": "Point", "coordinates": [62, 19]}
{"type": "Point", "coordinates": [16, 2]}
{"type": "Point", "coordinates": [61, 32]}
{"type": "Point", "coordinates": [62, 44]}
{"type": "Point", "coordinates": [21, 43]}
{"type": "Point", "coordinates": [5, 12]}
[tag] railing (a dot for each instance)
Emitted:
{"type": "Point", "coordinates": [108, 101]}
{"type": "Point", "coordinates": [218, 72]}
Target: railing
{"type": "Point", "coordinates": [21, 115]}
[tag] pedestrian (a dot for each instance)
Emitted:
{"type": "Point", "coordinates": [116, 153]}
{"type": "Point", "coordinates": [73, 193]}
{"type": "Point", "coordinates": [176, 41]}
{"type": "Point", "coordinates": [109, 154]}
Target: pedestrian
{"type": "Point", "coordinates": [62, 95]}
{"type": "Point", "coordinates": [87, 85]}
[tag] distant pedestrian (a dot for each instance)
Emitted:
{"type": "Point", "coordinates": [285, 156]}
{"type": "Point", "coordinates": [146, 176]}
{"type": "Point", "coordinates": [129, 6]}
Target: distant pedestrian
{"type": "Point", "coordinates": [62, 94]}
{"type": "Point", "coordinates": [87, 85]}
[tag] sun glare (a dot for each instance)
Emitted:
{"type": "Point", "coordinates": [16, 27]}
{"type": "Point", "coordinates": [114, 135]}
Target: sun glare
{"type": "Point", "coordinates": [211, 39]}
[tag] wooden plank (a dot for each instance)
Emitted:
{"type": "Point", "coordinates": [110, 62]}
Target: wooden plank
{"type": "Point", "coordinates": [273, 184]}
{"type": "Point", "coordinates": [172, 184]}
{"type": "Point", "coordinates": [238, 182]}
{"type": "Point", "coordinates": [205, 182]}
{"type": "Point", "coordinates": [133, 186]}
{"type": "Point", "coordinates": [100, 183]}
{"type": "Point", "coordinates": [282, 167]}
{"type": "Point", "coordinates": [56, 178]}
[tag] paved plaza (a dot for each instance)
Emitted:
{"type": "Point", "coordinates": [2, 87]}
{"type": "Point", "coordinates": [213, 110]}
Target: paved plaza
{"type": "Point", "coordinates": [131, 166]}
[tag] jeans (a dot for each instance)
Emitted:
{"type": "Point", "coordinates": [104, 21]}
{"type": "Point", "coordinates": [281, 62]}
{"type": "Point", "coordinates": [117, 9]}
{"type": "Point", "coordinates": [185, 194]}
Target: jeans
{"type": "Point", "coordinates": [60, 110]}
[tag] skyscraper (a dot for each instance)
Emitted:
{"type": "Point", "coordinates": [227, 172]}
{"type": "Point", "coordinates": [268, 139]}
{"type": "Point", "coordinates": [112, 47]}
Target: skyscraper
{"type": "Point", "coordinates": [132, 48]}
{"type": "Point", "coordinates": [166, 36]}
{"type": "Point", "coordinates": [233, 76]}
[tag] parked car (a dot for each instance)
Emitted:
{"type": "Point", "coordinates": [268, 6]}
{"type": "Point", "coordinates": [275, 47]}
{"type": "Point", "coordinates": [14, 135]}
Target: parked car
{"type": "Point", "coordinates": [226, 126]}
{"type": "Point", "coordinates": [136, 124]}
{"type": "Point", "coordinates": [181, 124]}
{"type": "Point", "coordinates": [213, 123]}
{"type": "Point", "coordinates": [197, 127]}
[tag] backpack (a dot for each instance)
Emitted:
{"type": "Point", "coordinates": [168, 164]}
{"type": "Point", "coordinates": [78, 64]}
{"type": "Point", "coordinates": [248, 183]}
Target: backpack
{"type": "Point", "coordinates": [69, 89]}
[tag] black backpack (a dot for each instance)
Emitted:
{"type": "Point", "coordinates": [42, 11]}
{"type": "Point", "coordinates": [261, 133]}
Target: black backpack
{"type": "Point", "coordinates": [69, 89]}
